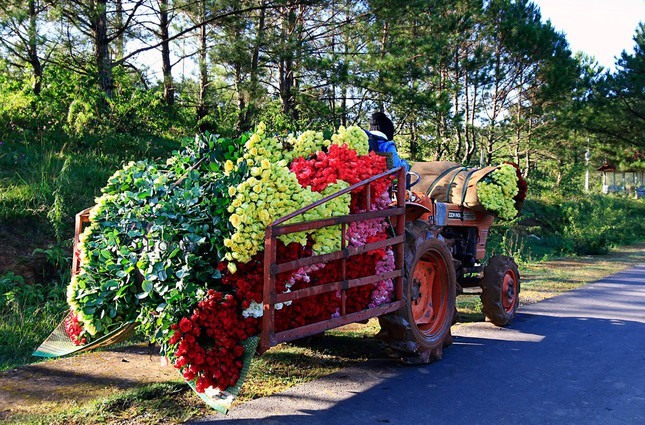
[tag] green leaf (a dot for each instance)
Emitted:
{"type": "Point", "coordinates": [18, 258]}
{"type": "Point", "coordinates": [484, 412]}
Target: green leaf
{"type": "Point", "coordinates": [146, 286]}
{"type": "Point", "coordinates": [110, 285]}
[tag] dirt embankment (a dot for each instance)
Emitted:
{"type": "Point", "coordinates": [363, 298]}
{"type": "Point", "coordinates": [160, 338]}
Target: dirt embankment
{"type": "Point", "coordinates": [81, 378]}
{"type": "Point", "coordinates": [17, 252]}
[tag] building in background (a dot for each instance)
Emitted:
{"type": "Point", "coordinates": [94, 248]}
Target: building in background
{"type": "Point", "coordinates": [631, 182]}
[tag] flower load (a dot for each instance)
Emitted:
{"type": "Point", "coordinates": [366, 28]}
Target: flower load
{"type": "Point", "coordinates": [177, 247]}
{"type": "Point", "coordinates": [497, 190]}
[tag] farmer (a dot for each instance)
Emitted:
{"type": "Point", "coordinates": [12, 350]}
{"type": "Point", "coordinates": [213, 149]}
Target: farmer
{"type": "Point", "coordinates": [380, 138]}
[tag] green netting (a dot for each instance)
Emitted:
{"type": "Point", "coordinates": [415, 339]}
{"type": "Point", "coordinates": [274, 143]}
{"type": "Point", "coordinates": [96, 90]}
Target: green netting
{"type": "Point", "coordinates": [59, 344]}
{"type": "Point", "coordinates": [222, 400]}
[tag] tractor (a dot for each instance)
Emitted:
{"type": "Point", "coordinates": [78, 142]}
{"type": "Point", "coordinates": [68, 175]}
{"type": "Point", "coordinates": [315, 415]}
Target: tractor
{"type": "Point", "coordinates": [440, 248]}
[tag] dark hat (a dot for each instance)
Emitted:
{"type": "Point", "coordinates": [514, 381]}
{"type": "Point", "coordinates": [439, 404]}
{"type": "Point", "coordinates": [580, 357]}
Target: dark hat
{"type": "Point", "coordinates": [380, 122]}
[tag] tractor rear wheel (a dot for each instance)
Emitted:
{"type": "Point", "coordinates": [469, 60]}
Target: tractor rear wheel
{"type": "Point", "coordinates": [500, 290]}
{"type": "Point", "coordinates": [421, 329]}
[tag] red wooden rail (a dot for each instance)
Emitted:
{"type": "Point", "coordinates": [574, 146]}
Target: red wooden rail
{"type": "Point", "coordinates": [82, 218]}
{"type": "Point", "coordinates": [272, 268]}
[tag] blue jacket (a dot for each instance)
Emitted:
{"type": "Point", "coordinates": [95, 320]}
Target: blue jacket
{"type": "Point", "coordinates": [379, 143]}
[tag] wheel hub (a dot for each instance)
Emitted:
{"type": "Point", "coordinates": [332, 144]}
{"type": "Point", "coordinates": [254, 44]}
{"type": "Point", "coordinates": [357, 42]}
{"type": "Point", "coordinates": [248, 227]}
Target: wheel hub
{"type": "Point", "coordinates": [423, 294]}
{"type": "Point", "coordinates": [509, 291]}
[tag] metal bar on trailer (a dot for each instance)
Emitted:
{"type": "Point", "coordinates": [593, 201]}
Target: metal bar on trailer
{"type": "Point", "coordinates": [368, 197]}
{"type": "Point", "coordinates": [267, 339]}
{"type": "Point", "coordinates": [343, 276]}
{"type": "Point", "coordinates": [334, 195]}
{"type": "Point", "coordinates": [316, 328]}
{"type": "Point", "coordinates": [335, 286]}
{"type": "Point", "coordinates": [400, 232]}
{"type": "Point", "coordinates": [81, 218]}
{"type": "Point", "coordinates": [349, 251]}
{"type": "Point", "coordinates": [326, 222]}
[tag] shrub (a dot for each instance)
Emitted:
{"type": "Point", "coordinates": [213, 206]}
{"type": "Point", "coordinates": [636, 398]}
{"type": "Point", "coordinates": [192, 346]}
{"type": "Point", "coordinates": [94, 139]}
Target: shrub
{"type": "Point", "coordinates": [552, 225]}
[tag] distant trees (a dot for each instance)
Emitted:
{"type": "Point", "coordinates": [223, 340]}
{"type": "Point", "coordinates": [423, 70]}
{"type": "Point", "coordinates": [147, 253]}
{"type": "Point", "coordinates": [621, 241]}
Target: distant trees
{"type": "Point", "coordinates": [464, 80]}
{"type": "Point", "coordinates": [617, 103]}
{"type": "Point", "coordinates": [22, 36]}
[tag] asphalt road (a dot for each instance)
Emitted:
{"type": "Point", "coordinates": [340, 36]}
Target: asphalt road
{"type": "Point", "coordinates": [578, 358]}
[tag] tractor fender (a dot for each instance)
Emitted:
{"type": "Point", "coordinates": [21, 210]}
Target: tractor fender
{"type": "Point", "coordinates": [416, 211]}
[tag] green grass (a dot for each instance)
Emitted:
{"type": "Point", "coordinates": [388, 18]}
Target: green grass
{"type": "Point", "coordinates": [168, 402]}
{"type": "Point", "coordinates": [28, 313]}
{"type": "Point", "coordinates": [52, 179]}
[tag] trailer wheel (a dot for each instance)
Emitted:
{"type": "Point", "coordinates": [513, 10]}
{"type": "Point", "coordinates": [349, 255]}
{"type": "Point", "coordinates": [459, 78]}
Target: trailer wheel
{"type": "Point", "coordinates": [500, 290]}
{"type": "Point", "coordinates": [421, 329]}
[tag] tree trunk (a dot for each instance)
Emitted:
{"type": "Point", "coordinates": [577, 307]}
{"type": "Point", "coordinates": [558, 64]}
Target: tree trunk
{"type": "Point", "coordinates": [119, 49]}
{"type": "Point", "coordinates": [384, 37]}
{"type": "Point", "coordinates": [166, 66]}
{"type": "Point", "coordinates": [456, 94]}
{"type": "Point", "coordinates": [414, 141]}
{"type": "Point", "coordinates": [101, 48]}
{"type": "Point", "coordinates": [202, 107]}
{"type": "Point", "coordinates": [32, 50]}
{"type": "Point", "coordinates": [527, 155]}
{"type": "Point", "coordinates": [518, 130]}
{"type": "Point", "coordinates": [248, 94]}
{"type": "Point", "coordinates": [248, 109]}
{"type": "Point", "coordinates": [286, 68]}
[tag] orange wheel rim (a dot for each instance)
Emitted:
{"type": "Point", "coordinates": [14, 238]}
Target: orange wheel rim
{"type": "Point", "coordinates": [429, 294]}
{"type": "Point", "coordinates": [509, 291]}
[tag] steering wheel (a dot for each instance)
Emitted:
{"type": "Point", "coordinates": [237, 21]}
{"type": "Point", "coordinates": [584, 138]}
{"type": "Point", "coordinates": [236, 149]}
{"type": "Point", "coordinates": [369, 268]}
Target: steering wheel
{"type": "Point", "coordinates": [408, 179]}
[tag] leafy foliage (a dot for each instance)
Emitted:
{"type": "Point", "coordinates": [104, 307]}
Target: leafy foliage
{"type": "Point", "coordinates": [553, 225]}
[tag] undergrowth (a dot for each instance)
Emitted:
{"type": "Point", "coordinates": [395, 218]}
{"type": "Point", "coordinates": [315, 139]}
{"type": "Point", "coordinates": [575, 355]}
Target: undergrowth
{"type": "Point", "coordinates": [28, 313]}
{"type": "Point", "coordinates": [552, 226]}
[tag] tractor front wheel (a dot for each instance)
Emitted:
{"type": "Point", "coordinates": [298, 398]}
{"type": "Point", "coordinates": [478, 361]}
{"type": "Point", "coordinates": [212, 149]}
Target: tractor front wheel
{"type": "Point", "coordinates": [500, 290]}
{"type": "Point", "coordinates": [421, 329]}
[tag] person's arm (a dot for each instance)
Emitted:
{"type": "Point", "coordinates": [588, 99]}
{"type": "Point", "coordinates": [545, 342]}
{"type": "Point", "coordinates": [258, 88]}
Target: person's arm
{"type": "Point", "coordinates": [390, 147]}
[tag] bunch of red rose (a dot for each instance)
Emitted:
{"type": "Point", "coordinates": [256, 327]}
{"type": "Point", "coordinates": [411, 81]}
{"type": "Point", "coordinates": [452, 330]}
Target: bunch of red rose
{"type": "Point", "coordinates": [74, 329]}
{"type": "Point", "coordinates": [247, 282]}
{"type": "Point", "coordinates": [208, 343]}
{"type": "Point", "coordinates": [342, 163]}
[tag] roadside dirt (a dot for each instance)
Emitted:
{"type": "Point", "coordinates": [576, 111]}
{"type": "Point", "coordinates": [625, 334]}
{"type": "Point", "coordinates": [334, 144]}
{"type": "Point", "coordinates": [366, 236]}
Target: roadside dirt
{"type": "Point", "coordinates": [81, 378]}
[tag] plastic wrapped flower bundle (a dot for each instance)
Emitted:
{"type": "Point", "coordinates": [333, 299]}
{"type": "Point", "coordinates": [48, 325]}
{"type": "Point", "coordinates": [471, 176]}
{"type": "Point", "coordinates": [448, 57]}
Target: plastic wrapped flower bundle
{"type": "Point", "coordinates": [498, 190]}
{"type": "Point", "coordinates": [177, 246]}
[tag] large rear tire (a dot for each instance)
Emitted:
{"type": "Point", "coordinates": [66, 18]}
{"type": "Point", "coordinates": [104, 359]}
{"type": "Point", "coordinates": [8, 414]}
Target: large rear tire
{"type": "Point", "coordinates": [421, 329]}
{"type": "Point", "coordinates": [500, 290]}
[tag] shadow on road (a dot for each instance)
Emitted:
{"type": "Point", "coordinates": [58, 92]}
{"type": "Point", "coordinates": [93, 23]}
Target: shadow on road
{"type": "Point", "coordinates": [543, 369]}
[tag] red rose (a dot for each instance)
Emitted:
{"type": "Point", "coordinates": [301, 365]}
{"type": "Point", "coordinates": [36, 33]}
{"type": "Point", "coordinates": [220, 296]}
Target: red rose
{"type": "Point", "coordinates": [185, 325]}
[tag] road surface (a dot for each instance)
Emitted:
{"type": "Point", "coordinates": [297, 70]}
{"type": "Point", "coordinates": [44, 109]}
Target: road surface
{"type": "Point", "coordinates": [578, 358]}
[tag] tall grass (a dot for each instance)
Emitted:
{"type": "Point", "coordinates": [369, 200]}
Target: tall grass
{"type": "Point", "coordinates": [50, 180]}
{"type": "Point", "coordinates": [28, 313]}
{"type": "Point", "coordinates": [43, 184]}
